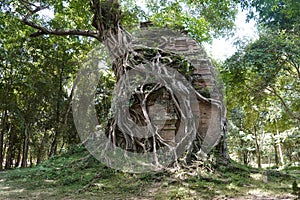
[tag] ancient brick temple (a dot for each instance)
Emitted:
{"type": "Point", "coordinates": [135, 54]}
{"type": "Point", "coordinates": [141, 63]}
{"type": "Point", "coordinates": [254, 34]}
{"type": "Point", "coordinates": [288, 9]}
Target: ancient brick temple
{"type": "Point", "coordinates": [203, 79]}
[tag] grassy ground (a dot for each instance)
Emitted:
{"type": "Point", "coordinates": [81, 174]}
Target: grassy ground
{"type": "Point", "coordinates": [75, 175]}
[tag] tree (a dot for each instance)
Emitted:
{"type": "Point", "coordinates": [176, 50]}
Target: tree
{"type": "Point", "coordinates": [277, 15]}
{"type": "Point", "coordinates": [273, 63]}
{"type": "Point", "coordinates": [35, 75]}
{"type": "Point", "coordinates": [263, 77]}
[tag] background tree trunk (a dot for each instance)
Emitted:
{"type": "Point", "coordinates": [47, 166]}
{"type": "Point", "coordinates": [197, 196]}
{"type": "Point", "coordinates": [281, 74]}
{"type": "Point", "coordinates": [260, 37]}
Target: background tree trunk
{"type": "Point", "coordinates": [2, 139]}
{"type": "Point", "coordinates": [53, 148]}
{"type": "Point", "coordinates": [25, 146]}
{"type": "Point", "coordinates": [275, 151]}
{"type": "Point", "coordinates": [18, 158]}
{"type": "Point", "coordinates": [258, 152]}
{"type": "Point", "coordinates": [41, 148]}
{"type": "Point", "coordinates": [10, 149]}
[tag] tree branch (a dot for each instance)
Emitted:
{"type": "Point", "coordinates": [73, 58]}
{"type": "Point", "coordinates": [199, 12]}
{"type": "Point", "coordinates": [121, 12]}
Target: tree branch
{"type": "Point", "coordinates": [295, 65]}
{"type": "Point", "coordinates": [43, 30]}
{"type": "Point", "coordinates": [31, 11]}
{"type": "Point", "coordinates": [293, 115]}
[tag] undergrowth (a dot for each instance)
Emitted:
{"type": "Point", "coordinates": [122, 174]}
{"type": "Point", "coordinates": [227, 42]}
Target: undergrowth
{"type": "Point", "coordinates": [77, 175]}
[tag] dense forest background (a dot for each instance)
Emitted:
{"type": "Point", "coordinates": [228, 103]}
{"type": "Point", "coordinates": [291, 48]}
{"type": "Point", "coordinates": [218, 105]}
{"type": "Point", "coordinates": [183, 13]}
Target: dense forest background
{"type": "Point", "coordinates": [38, 70]}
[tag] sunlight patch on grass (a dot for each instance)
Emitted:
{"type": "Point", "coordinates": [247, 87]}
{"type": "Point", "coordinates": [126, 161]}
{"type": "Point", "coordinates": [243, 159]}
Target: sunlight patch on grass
{"type": "Point", "coordinates": [232, 186]}
{"type": "Point", "coordinates": [257, 177]}
{"type": "Point", "coordinates": [4, 188]}
{"type": "Point", "coordinates": [258, 192]}
{"type": "Point", "coordinates": [50, 181]}
{"type": "Point", "coordinates": [14, 191]}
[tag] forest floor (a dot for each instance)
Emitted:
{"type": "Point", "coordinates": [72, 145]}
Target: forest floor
{"type": "Point", "coordinates": [75, 175]}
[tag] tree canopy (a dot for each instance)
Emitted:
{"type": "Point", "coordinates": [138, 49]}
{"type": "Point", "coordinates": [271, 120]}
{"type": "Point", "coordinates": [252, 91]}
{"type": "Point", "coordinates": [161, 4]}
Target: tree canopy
{"type": "Point", "coordinates": [262, 84]}
{"type": "Point", "coordinates": [201, 19]}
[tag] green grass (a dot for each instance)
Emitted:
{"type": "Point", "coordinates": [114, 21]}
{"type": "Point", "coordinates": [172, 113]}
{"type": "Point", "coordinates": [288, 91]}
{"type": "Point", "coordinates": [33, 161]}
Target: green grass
{"type": "Point", "coordinates": [76, 175]}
